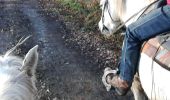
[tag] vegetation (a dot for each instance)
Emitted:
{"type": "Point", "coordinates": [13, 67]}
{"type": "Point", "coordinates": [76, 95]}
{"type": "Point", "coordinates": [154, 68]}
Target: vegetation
{"type": "Point", "coordinates": [86, 11]}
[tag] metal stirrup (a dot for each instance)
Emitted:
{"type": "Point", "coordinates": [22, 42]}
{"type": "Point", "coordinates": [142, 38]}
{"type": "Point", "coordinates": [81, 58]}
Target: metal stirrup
{"type": "Point", "coordinates": [107, 71]}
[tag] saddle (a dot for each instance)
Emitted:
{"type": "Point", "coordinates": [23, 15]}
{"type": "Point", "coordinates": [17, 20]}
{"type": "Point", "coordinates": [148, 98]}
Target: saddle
{"type": "Point", "coordinates": [158, 49]}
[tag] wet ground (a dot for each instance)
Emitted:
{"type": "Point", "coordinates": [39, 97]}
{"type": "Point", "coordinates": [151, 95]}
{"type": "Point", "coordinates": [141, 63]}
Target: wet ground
{"type": "Point", "coordinates": [62, 73]}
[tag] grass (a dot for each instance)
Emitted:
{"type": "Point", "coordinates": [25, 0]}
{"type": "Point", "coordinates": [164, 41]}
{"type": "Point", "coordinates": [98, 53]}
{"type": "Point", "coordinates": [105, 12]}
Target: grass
{"type": "Point", "coordinates": [87, 10]}
{"type": "Point", "coordinates": [74, 5]}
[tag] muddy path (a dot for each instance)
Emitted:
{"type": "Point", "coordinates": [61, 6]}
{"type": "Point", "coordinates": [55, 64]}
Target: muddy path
{"type": "Point", "coordinates": [62, 73]}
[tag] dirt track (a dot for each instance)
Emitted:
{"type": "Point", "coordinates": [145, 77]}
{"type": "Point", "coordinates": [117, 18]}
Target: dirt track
{"type": "Point", "coordinates": [62, 73]}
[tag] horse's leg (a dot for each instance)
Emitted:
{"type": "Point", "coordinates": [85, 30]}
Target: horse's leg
{"type": "Point", "coordinates": [137, 90]}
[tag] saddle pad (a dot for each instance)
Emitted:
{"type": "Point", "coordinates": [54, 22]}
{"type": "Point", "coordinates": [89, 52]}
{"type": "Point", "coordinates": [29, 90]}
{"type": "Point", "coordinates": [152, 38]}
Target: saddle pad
{"type": "Point", "coordinates": [158, 52]}
{"type": "Point", "coordinates": [164, 37]}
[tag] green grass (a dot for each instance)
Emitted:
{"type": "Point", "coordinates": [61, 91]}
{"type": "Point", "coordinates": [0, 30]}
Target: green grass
{"type": "Point", "coordinates": [72, 4]}
{"type": "Point", "coordinates": [86, 11]}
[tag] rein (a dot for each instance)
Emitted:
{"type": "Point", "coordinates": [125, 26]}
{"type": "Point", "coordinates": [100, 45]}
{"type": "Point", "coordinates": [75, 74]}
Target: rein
{"type": "Point", "coordinates": [123, 24]}
{"type": "Point", "coordinates": [20, 42]}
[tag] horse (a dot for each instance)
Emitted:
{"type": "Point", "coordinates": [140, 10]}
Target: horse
{"type": "Point", "coordinates": [151, 81]}
{"type": "Point", "coordinates": [17, 75]}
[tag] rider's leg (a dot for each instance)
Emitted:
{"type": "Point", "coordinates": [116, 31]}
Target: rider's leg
{"type": "Point", "coordinates": [154, 23]}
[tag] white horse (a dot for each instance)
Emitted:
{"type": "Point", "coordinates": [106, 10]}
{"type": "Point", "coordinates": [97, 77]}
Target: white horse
{"type": "Point", "coordinates": [17, 76]}
{"type": "Point", "coordinates": [153, 74]}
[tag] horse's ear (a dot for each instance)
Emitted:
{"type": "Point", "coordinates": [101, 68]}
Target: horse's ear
{"type": "Point", "coordinates": [30, 61]}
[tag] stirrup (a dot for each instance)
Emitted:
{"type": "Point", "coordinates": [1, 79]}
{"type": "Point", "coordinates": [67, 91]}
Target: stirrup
{"type": "Point", "coordinates": [108, 71]}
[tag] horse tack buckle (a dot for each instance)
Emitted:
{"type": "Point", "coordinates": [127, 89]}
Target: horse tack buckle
{"type": "Point", "coordinates": [108, 71]}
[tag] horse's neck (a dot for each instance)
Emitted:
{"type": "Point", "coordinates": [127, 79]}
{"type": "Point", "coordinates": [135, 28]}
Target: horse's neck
{"type": "Point", "coordinates": [132, 7]}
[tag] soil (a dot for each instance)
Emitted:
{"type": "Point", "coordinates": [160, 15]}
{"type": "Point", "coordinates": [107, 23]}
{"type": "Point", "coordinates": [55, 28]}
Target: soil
{"type": "Point", "coordinates": [67, 70]}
